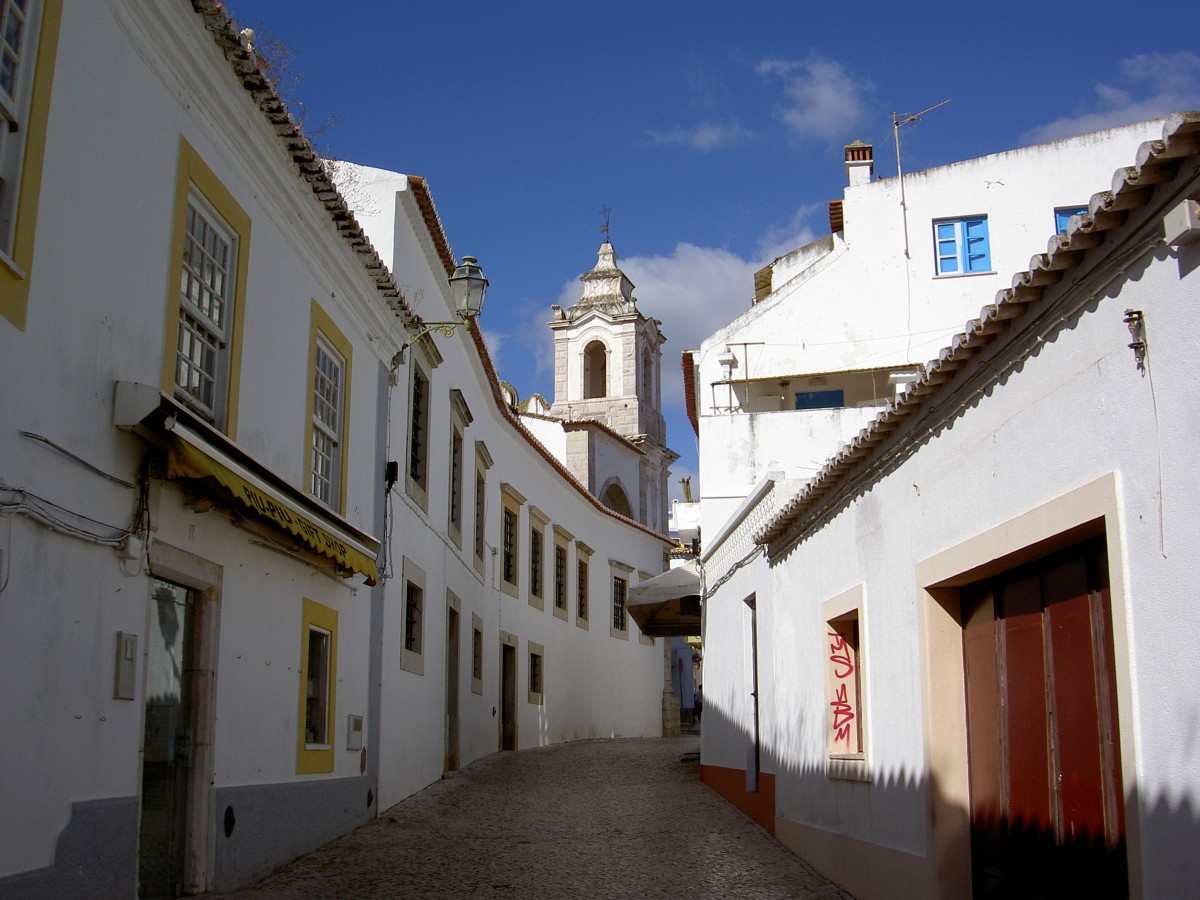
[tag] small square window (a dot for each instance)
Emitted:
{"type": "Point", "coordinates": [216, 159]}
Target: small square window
{"type": "Point", "coordinates": [480, 507]}
{"type": "Point", "coordinates": [560, 577]}
{"type": "Point", "coordinates": [820, 399]}
{"type": "Point", "coordinates": [456, 459]}
{"type": "Point", "coordinates": [620, 589]}
{"type": "Point", "coordinates": [316, 701]}
{"type": "Point", "coordinates": [962, 246]}
{"type": "Point", "coordinates": [483, 462]}
{"type": "Point", "coordinates": [581, 586]}
{"type": "Point", "coordinates": [318, 682]}
{"type": "Point", "coordinates": [510, 546]}
{"type": "Point", "coordinates": [418, 429]}
{"type": "Point", "coordinates": [476, 654]}
{"type": "Point", "coordinates": [845, 690]}
{"type": "Point", "coordinates": [412, 625]}
{"type": "Point", "coordinates": [536, 541]}
{"type": "Point", "coordinates": [413, 603]}
{"type": "Point", "coordinates": [537, 675]}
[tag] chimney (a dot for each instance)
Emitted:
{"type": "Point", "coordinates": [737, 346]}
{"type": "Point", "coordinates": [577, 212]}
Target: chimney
{"type": "Point", "coordinates": [860, 163]}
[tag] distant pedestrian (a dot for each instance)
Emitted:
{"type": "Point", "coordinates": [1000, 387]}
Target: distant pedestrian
{"type": "Point", "coordinates": [698, 702]}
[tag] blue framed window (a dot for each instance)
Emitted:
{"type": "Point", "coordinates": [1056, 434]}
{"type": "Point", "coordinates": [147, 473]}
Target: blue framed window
{"type": "Point", "coordinates": [820, 399]}
{"type": "Point", "coordinates": [962, 245]}
{"type": "Point", "coordinates": [1062, 215]}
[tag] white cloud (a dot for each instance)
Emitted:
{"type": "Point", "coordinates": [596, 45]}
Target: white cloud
{"type": "Point", "coordinates": [796, 232]}
{"type": "Point", "coordinates": [694, 291]}
{"type": "Point", "coordinates": [703, 137]}
{"type": "Point", "coordinates": [1146, 86]}
{"type": "Point", "coordinates": [494, 341]}
{"type": "Point", "coordinates": [537, 340]}
{"type": "Point", "coordinates": [823, 100]}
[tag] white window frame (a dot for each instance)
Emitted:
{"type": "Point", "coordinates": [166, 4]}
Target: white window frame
{"type": "Point", "coordinates": [317, 681]}
{"type": "Point", "coordinates": [14, 110]}
{"type": "Point", "coordinates": [328, 394]}
{"type": "Point", "coordinates": [215, 333]}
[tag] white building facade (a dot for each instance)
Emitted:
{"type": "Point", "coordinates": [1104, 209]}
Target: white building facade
{"type": "Point", "coordinates": [263, 577]}
{"type": "Point", "coordinates": [964, 624]}
{"type": "Point", "coordinates": [838, 324]}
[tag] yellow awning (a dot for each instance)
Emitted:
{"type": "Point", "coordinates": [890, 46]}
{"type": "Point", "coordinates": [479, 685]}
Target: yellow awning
{"type": "Point", "coordinates": [190, 456]}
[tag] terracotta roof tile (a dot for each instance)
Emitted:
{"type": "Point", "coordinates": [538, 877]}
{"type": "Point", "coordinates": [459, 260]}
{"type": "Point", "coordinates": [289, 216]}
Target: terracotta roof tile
{"type": "Point", "coordinates": [311, 167]}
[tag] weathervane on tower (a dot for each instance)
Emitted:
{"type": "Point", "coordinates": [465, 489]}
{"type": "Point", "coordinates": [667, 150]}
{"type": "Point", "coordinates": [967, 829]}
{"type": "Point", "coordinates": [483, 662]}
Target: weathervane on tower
{"type": "Point", "coordinates": [605, 211]}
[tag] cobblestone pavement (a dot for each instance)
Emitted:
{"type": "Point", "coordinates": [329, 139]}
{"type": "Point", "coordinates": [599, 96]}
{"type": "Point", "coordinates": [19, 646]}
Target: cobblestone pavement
{"type": "Point", "coordinates": [595, 819]}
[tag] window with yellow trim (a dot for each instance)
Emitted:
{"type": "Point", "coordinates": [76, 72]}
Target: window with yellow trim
{"type": "Point", "coordinates": [207, 285]}
{"type": "Point", "coordinates": [329, 357]}
{"type": "Point", "coordinates": [28, 49]}
{"type": "Point", "coordinates": [318, 677]}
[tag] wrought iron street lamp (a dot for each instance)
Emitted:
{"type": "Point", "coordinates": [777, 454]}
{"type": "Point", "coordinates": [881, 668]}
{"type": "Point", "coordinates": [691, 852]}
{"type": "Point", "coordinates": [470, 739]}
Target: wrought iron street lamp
{"type": "Point", "coordinates": [467, 286]}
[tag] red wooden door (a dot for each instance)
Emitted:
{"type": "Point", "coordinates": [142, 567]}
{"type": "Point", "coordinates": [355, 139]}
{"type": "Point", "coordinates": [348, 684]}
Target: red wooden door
{"type": "Point", "coordinates": [1047, 817]}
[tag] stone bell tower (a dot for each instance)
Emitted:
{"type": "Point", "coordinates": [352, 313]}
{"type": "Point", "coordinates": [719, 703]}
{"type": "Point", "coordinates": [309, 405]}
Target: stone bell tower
{"type": "Point", "coordinates": [607, 372]}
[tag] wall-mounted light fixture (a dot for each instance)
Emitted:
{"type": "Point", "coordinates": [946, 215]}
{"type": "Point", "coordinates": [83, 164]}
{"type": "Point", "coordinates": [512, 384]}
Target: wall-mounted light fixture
{"type": "Point", "coordinates": [467, 286]}
{"type": "Point", "coordinates": [728, 362]}
{"type": "Point", "coordinates": [1135, 320]}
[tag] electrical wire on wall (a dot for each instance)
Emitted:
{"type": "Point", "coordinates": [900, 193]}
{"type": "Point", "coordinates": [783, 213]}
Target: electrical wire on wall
{"type": "Point", "coordinates": [733, 570]}
{"type": "Point", "coordinates": [1135, 320]}
{"type": "Point", "coordinates": [17, 501]}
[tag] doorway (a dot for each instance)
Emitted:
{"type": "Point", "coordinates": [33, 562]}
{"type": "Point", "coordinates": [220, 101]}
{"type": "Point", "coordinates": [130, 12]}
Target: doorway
{"type": "Point", "coordinates": [1046, 801]}
{"type": "Point", "coordinates": [508, 697]}
{"type": "Point", "coordinates": [168, 741]}
{"type": "Point", "coordinates": [754, 751]}
{"type": "Point", "coordinates": [451, 761]}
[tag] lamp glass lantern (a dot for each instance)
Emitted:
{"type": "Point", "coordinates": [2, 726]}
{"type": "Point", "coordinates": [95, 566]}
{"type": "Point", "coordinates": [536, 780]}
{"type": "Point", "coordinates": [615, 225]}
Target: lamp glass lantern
{"type": "Point", "coordinates": [468, 286]}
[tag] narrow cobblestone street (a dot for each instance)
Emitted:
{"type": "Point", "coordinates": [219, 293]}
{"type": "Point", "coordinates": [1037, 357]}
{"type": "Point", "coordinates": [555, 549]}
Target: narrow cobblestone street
{"type": "Point", "coordinates": [601, 818]}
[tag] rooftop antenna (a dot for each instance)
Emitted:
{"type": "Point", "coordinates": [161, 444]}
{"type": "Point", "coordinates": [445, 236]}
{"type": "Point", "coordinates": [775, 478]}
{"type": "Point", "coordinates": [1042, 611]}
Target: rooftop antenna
{"type": "Point", "coordinates": [899, 119]}
{"type": "Point", "coordinates": [605, 212]}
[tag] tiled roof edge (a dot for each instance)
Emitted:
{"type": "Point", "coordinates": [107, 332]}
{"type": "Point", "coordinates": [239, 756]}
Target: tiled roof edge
{"type": "Point", "coordinates": [433, 222]}
{"type": "Point", "coordinates": [689, 389]}
{"type": "Point", "coordinates": [1157, 161]}
{"type": "Point", "coordinates": [309, 164]}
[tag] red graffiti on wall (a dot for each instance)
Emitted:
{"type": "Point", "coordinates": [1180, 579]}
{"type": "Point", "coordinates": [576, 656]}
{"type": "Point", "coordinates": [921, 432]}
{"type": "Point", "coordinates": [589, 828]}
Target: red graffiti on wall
{"type": "Point", "coordinates": [842, 704]}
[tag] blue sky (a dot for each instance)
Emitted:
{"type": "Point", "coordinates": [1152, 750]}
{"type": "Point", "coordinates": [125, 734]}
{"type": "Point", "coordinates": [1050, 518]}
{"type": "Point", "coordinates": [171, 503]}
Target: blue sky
{"type": "Point", "coordinates": [713, 130]}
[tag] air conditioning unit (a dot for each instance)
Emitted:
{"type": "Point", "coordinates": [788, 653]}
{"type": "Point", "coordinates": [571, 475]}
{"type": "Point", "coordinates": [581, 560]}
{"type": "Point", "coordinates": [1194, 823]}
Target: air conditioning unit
{"type": "Point", "coordinates": [1182, 223]}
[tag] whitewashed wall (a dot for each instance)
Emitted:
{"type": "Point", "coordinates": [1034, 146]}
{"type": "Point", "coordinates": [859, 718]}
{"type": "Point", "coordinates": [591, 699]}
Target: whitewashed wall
{"type": "Point", "coordinates": [853, 300]}
{"type": "Point", "coordinates": [1074, 413]}
{"type": "Point", "coordinates": [595, 685]}
{"type": "Point", "coordinates": [131, 80]}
